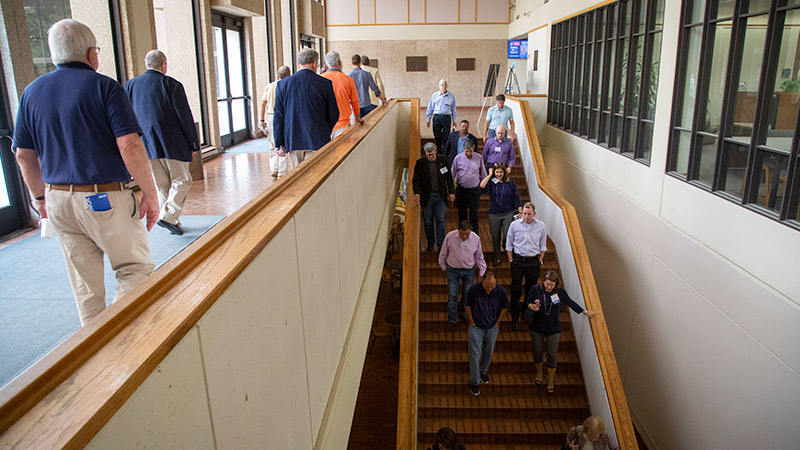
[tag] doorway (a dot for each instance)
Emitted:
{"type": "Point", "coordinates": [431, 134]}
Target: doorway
{"type": "Point", "coordinates": [229, 61]}
{"type": "Point", "coordinates": [12, 208]}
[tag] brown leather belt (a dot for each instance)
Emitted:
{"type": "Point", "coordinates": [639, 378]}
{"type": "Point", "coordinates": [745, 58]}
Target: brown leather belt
{"type": "Point", "coordinates": [89, 187]}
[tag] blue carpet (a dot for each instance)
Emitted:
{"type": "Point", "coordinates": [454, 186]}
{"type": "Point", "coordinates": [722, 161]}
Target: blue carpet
{"type": "Point", "coordinates": [251, 146]}
{"type": "Point", "coordinates": [37, 309]}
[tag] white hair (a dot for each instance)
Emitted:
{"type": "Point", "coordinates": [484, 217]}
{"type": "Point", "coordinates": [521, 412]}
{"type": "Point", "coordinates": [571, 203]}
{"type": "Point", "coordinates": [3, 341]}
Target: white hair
{"type": "Point", "coordinates": [332, 58]}
{"type": "Point", "coordinates": [307, 56]}
{"type": "Point", "coordinates": [442, 81]}
{"type": "Point", "coordinates": [69, 41]}
{"type": "Point", "coordinates": [155, 59]}
{"type": "Point", "coordinates": [429, 147]}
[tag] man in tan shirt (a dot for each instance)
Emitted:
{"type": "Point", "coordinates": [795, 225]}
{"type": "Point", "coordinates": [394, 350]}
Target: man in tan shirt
{"type": "Point", "coordinates": [277, 164]}
{"type": "Point", "coordinates": [375, 76]}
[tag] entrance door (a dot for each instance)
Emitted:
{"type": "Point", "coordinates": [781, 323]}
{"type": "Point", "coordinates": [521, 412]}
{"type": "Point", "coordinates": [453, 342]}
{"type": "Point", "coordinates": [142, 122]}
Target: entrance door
{"type": "Point", "coordinates": [232, 98]}
{"type": "Point", "coordinates": [11, 195]}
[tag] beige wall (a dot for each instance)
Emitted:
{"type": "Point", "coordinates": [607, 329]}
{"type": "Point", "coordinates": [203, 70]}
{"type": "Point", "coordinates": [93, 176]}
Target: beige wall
{"type": "Point", "coordinates": [355, 12]}
{"type": "Point", "coordinates": [276, 361]}
{"type": "Point", "coordinates": [95, 15]}
{"type": "Point", "coordinates": [138, 34]}
{"type": "Point", "coordinates": [391, 55]}
{"type": "Point", "coordinates": [16, 50]}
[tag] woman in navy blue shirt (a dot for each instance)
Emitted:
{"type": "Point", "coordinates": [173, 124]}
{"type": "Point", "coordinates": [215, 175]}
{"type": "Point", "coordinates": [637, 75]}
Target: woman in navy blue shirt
{"type": "Point", "coordinates": [504, 202]}
{"type": "Point", "coordinates": [542, 307]}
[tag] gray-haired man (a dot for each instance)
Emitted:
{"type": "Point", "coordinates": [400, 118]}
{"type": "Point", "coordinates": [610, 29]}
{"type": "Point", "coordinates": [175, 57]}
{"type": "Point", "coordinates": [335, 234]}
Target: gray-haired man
{"type": "Point", "coordinates": [77, 144]}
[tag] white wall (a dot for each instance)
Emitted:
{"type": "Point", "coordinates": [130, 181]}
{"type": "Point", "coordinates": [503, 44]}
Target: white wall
{"type": "Point", "coordinates": [276, 361]}
{"type": "Point", "coordinates": [701, 296]}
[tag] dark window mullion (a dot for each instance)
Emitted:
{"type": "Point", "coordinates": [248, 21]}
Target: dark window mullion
{"type": "Point", "coordinates": [735, 50]}
{"type": "Point", "coordinates": [617, 69]}
{"type": "Point", "coordinates": [701, 99]}
{"type": "Point", "coordinates": [766, 87]}
{"type": "Point", "coordinates": [629, 75]}
{"type": "Point", "coordinates": [647, 59]}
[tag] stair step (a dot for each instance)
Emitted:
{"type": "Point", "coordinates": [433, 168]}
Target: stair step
{"type": "Point", "coordinates": [491, 404]}
{"type": "Point", "coordinates": [456, 339]}
{"type": "Point", "coordinates": [425, 445]}
{"type": "Point", "coordinates": [520, 383]}
{"type": "Point", "coordinates": [498, 431]}
{"type": "Point", "coordinates": [502, 362]}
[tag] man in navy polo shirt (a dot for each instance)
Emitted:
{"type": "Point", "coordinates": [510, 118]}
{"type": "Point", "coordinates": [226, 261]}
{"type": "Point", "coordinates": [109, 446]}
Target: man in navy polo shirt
{"type": "Point", "coordinates": [486, 305]}
{"type": "Point", "coordinates": [77, 144]}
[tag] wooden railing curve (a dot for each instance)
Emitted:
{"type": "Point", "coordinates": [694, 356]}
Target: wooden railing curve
{"type": "Point", "coordinates": [93, 372]}
{"type": "Point", "coordinates": [409, 332]}
{"type": "Point", "coordinates": [602, 341]}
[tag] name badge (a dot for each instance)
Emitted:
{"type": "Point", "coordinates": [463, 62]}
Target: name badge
{"type": "Point", "coordinates": [98, 202]}
{"type": "Point", "coordinates": [443, 170]}
{"type": "Point", "coordinates": [495, 180]}
{"type": "Point", "coordinates": [527, 237]}
{"type": "Point", "coordinates": [498, 150]}
{"type": "Point", "coordinates": [474, 166]}
{"type": "Point", "coordinates": [464, 244]}
{"type": "Point", "coordinates": [554, 298]}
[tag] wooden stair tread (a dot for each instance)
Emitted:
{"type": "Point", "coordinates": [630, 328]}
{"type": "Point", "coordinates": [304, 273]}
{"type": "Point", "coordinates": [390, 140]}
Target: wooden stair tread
{"type": "Point", "coordinates": [503, 426]}
{"type": "Point", "coordinates": [497, 358]}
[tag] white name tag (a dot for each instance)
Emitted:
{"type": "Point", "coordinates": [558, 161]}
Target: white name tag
{"type": "Point", "coordinates": [474, 166]}
{"type": "Point", "coordinates": [443, 170]}
{"type": "Point", "coordinates": [497, 149]}
{"type": "Point", "coordinates": [554, 298]}
{"type": "Point", "coordinates": [528, 237]}
{"type": "Point", "coordinates": [495, 180]}
{"type": "Point", "coordinates": [464, 244]}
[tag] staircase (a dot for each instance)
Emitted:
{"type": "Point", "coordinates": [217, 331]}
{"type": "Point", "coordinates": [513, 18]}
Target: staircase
{"type": "Point", "coordinates": [512, 412]}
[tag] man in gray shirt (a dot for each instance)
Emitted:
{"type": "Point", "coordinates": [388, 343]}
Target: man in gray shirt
{"type": "Point", "coordinates": [364, 82]}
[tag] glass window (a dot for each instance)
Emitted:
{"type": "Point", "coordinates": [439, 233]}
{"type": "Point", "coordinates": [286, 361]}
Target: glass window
{"type": "Point", "coordinates": [756, 101]}
{"type": "Point", "coordinates": [697, 10]}
{"type": "Point", "coordinates": [40, 15]}
{"type": "Point", "coordinates": [749, 75]}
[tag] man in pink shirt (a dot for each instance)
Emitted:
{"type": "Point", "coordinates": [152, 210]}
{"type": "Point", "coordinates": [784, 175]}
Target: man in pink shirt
{"type": "Point", "coordinates": [345, 90]}
{"type": "Point", "coordinates": [460, 253]}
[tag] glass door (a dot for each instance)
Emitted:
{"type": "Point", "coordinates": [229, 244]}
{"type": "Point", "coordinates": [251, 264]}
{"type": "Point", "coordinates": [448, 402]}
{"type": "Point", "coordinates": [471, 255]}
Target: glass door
{"type": "Point", "coordinates": [12, 207]}
{"type": "Point", "coordinates": [232, 98]}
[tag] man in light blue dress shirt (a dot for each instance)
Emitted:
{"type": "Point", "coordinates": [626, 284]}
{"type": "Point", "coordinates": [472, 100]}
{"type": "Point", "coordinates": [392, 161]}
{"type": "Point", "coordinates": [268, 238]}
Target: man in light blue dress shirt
{"type": "Point", "coordinates": [442, 109]}
{"type": "Point", "coordinates": [499, 115]}
{"type": "Point", "coordinates": [526, 245]}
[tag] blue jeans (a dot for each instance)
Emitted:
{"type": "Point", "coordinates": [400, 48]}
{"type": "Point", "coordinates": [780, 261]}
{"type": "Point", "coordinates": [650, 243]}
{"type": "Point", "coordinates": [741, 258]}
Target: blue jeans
{"type": "Point", "coordinates": [366, 110]}
{"type": "Point", "coordinates": [466, 277]}
{"type": "Point", "coordinates": [490, 134]}
{"type": "Point", "coordinates": [481, 347]}
{"type": "Point", "coordinates": [435, 209]}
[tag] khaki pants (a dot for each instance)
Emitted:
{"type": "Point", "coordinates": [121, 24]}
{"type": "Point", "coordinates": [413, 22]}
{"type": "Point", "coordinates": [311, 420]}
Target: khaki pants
{"type": "Point", "coordinates": [86, 236]}
{"type": "Point", "coordinates": [277, 164]}
{"type": "Point", "coordinates": [295, 157]}
{"type": "Point", "coordinates": [173, 180]}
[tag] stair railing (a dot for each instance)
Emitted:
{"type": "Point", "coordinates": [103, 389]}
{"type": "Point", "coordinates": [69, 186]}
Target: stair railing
{"type": "Point", "coordinates": [409, 324]}
{"type": "Point", "coordinates": [562, 221]}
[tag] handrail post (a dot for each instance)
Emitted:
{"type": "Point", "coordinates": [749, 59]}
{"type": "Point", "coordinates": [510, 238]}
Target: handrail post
{"type": "Point", "coordinates": [409, 324]}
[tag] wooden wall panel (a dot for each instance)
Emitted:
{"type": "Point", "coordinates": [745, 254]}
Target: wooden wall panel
{"type": "Point", "coordinates": [442, 11]}
{"type": "Point", "coordinates": [341, 12]}
{"type": "Point", "coordinates": [391, 11]}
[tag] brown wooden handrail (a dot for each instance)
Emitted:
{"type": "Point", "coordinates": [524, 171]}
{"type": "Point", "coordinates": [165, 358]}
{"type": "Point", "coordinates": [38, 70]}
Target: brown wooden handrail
{"type": "Point", "coordinates": [602, 341]}
{"type": "Point", "coordinates": [409, 331]}
{"type": "Point", "coordinates": [66, 397]}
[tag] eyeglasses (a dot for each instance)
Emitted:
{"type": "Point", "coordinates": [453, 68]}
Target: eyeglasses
{"type": "Point", "coordinates": [97, 49]}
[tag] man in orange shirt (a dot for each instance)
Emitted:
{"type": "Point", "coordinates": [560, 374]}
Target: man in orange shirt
{"type": "Point", "coordinates": [346, 95]}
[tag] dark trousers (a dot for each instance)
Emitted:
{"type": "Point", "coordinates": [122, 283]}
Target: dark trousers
{"type": "Point", "coordinates": [468, 199]}
{"type": "Point", "coordinates": [441, 130]}
{"type": "Point", "coordinates": [527, 268]}
{"type": "Point", "coordinates": [366, 110]}
{"type": "Point", "coordinates": [434, 213]}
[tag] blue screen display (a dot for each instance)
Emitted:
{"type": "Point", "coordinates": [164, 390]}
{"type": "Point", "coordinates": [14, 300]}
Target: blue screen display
{"type": "Point", "coordinates": [517, 49]}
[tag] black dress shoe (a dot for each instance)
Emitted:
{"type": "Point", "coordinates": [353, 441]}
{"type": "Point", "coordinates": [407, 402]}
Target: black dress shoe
{"type": "Point", "coordinates": [514, 326]}
{"type": "Point", "coordinates": [173, 228]}
{"type": "Point", "coordinates": [429, 248]}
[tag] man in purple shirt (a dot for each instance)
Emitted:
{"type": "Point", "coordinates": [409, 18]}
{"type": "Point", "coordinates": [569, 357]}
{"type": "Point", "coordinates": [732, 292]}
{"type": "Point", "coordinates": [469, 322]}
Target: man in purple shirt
{"type": "Point", "coordinates": [461, 252]}
{"type": "Point", "coordinates": [468, 171]}
{"type": "Point", "coordinates": [486, 305]}
{"type": "Point", "coordinates": [499, 149]}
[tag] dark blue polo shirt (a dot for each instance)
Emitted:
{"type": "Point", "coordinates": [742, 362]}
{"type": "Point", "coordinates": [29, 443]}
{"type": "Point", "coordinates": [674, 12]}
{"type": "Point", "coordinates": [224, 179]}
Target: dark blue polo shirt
{"type": "Point", "coordinates": [72, 117]}
{"type": "Point", "coordinates": [486, 307]}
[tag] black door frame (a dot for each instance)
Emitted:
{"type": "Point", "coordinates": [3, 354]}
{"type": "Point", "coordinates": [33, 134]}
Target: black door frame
{"type": "Point", "coordinates": [232, 23]}
{"type": "Point", "coordinates": [15, 216]}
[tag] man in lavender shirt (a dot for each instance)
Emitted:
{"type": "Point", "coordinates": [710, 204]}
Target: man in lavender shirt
{"type": "Point", "coordinates": [461, 252]}
{"type": "Point", "coordinates": [499, 149]}
{"type": "Point", "coordinates": [468, 171]}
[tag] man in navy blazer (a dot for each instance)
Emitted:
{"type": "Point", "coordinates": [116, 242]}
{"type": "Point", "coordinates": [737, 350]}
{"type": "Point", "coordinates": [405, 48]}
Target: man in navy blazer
{"type": "Point", "coordinates": [305, 111]}
{"type": "Point", "coordinates": [455, 141]}
{"type": "Point", "coordinates": [169, 134]}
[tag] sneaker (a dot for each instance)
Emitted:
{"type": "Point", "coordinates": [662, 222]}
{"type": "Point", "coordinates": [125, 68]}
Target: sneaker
{"type": "Point", "coordinates": [496, 262]}
{"type": "Point", "coordinates": [475, 389]}
{"type": "Point", "coordinates": [173, 228]}
{"type": "Point", "coordinates": [451, 325]}
{"type": "Point", "coordinates": [274, 174]}
{"type": "Point", "coordinates": [485, 379]}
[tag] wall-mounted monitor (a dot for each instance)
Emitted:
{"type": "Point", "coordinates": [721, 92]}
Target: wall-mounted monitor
{"type": "Point", "coordinates": [517, 49]}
